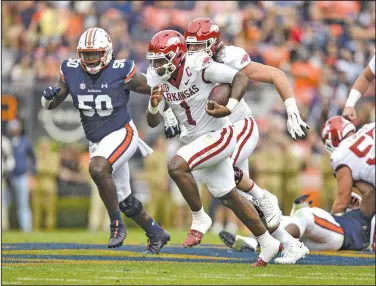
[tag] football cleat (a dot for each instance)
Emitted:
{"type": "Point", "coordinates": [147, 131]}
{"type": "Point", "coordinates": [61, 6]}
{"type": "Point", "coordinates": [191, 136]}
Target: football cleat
{"type": "Point", "coordinates": [155, 243]}
{"type": "Point", "coordinates": [198, 229]}
{"type": "Point", "coordinates": [267, 253]}
{"type": "Point", "coordinates": [194, 238]}
{"type": "Point", "coordinates": [259, 263]}
{"type": "Point", "coordinates": [118, 234]}
{"type": "Point", "coordinates": [269, 207]}
{"type": "Point", "coordinates": [292, 253]}
{"type": "Point", "coordinates": [239, 243]}
{"type": "Point", "coordinates": [299, 203]}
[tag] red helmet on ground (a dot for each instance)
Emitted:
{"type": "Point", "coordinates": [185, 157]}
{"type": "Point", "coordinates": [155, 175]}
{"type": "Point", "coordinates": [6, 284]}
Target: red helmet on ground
{"type": "Point", "coordinates": [334, 131]}
{"type": "Point", "coordinates": [166, 52]}
{"type": "Point", "coordinates": [202, 34]}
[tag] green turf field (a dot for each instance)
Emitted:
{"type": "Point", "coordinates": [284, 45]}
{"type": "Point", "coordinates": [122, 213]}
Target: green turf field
{"type": "Point", "coordinates": [81, 257]}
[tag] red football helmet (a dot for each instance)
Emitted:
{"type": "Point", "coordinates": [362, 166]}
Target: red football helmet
{"type": "Point", "coordinates": [167, 50]}
{"type": "Point", "coordinates": [334, 131]}
{"type": "Point", "coordinates": [202, 34]}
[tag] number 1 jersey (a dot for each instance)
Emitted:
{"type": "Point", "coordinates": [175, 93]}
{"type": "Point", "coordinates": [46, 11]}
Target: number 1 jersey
{"type": "Point", "coordinates": [358, 153]}
{"type": "Point", "coordinates": [101, 99]}
{"type": "Point", "coordinates": [188, 95]}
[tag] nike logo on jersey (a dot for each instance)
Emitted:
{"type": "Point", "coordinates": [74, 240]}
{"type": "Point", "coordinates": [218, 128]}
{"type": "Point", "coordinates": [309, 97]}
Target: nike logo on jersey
{"type": "Point", "coordinates": [186, 83]}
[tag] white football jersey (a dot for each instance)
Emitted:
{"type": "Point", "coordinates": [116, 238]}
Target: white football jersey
{"type": "Point", "coordinates": [199, 75]}
{"type": "Point", "coordinates": [358, 153]}
{"type": "Point", "coordinates": [237, 58]}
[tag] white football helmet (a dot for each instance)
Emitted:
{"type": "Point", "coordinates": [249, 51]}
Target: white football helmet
{"type": "Point", "coordinates": [94, 50]}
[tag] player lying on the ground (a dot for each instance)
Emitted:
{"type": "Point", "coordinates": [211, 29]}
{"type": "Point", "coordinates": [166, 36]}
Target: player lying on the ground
{"type": "Point", "coordinates": [210, 139]}
{"type": "Point", "coordinates": [319, 229]}
{"type": "Point", "coordinates": [352, 155]}
{"type": "Point", "coordinates": [203, 37]}
{"type": "Point", "coordinates": [100, 85]}
{"type": "Point", "coordinates": [360, 87]}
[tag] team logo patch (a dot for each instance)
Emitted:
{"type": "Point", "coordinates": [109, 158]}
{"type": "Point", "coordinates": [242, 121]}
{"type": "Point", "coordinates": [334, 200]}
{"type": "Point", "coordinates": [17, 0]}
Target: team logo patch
{"type": "Point", "coordinates": [245, 58]}
{"type": "Point", "coordinates": [165, 87]}
{"type": "Point", "coordinates": [214, 28]}
{"type": "Point", "coordinates": [172, 41]}
{"type": "Point", "coordinates": [82, 86]}
{"type": "Point", "coordinates": [206, 61]}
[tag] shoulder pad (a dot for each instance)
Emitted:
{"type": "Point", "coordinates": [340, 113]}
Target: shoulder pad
{"type": "Point", "coordinates": [125, 68]}
{"type": "Point", "coordinates": [236, 57]}
{"type": "Point", "coordinates": [198, 61]}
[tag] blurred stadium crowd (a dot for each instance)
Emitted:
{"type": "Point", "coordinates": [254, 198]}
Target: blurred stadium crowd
{"type": "Point", "coordinates": [322, 46]}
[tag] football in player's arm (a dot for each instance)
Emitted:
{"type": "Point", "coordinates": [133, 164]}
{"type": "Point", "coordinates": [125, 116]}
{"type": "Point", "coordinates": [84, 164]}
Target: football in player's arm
{"type": "Point", "coordinates": [239, 59]}
{"type": "Point", "coordinates": [239, 85]}
{"type": "Point", "coordinates": [360, 87]}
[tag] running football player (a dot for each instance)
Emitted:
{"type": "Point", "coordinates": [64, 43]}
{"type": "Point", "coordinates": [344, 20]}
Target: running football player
{"type": "Point", "coordinates": [185, 83]}
{"type": "Point", "coordinates": [203, 36]}
{"type": "Point", "coordinates": [100, 85]}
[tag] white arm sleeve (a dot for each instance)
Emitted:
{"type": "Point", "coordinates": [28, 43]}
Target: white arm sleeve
{"type": "Point", "coordinates": [372, 65]}
{"type": "Point", "coordinates": [218, 73]}
{"type": "Point", "coordinates": [236, 57]}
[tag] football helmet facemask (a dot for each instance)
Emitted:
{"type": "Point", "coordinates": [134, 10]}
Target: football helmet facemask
{"type": "Point", "coordinates": [94, 50]}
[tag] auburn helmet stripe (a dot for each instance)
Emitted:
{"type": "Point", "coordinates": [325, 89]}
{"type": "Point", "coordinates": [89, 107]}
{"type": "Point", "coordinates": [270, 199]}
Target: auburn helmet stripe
{"type": "Point", "coordinates": [90, 40]}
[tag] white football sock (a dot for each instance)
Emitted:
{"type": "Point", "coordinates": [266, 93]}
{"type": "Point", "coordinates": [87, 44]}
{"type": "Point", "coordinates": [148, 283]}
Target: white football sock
{"type": "Point", "coordinates": [265, 239]}
{"type": "Point", "coordinates": [283, 236]}
{"type": "Point", "coordinates": [201, 221]}
{"type": "Point", "coordinates": [256, 192]}
{"type": "Point", "coordinates": [198, 216]}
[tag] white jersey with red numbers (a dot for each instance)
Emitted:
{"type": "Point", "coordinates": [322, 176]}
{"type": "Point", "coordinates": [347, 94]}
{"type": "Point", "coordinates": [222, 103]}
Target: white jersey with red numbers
{"type": "Point", "coordinates": [237, 58]}
{"type": "Point", "coordinates": [188, 97]}
{"type": "Point", "coordinates": [358, 153]}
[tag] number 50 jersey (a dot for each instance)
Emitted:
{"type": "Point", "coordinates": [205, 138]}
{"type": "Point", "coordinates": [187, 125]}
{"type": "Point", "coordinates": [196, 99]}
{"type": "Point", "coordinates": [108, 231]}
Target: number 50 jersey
{"type": "Point", "coordinates": [101, 101]}
{"type": "Point", "coordinates": [358, 153]}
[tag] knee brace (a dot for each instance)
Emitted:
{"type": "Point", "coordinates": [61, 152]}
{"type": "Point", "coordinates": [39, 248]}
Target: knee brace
{"type": "Point", "coordinates": [238, 175]}
{"type": "Point", "coordinates": [131, 206]}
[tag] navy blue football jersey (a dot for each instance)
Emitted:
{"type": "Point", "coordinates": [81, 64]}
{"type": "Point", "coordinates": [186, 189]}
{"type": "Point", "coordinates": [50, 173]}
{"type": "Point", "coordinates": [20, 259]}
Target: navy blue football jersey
{"type": "Point", "coordinates": [101, 100]}
{"type": "Point", "coordinates": [356, 230]}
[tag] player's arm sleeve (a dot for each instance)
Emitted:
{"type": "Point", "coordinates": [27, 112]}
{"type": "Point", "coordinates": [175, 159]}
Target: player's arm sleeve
{"type": "Point", "coordinates": [236, 57]}
{"type": "Point", "coordinates": [218, 73]}
{"type": "Point", "coordinates": [132, 71]}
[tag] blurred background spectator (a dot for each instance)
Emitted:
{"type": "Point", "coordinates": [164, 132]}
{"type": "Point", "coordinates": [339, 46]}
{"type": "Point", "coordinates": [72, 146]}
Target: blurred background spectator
{"type": "Point", "coordinates": [22, 179]}
{"type": "Point", "coordinates": [321, 45]}
{"type": "Point", "coordinates": [44, 196]}
{"type": "Point", "coordinates": [7, 165]}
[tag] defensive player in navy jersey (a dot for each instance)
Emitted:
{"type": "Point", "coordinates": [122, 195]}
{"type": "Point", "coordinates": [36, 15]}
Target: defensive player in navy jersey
{"type": "Point", "coordinates": [100, 87]}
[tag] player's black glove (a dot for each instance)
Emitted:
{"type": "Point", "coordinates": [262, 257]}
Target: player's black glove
{"type": "Point", "coordinates": [51, 92]}
{"type": "Point", "coordinates": [171, 127]}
